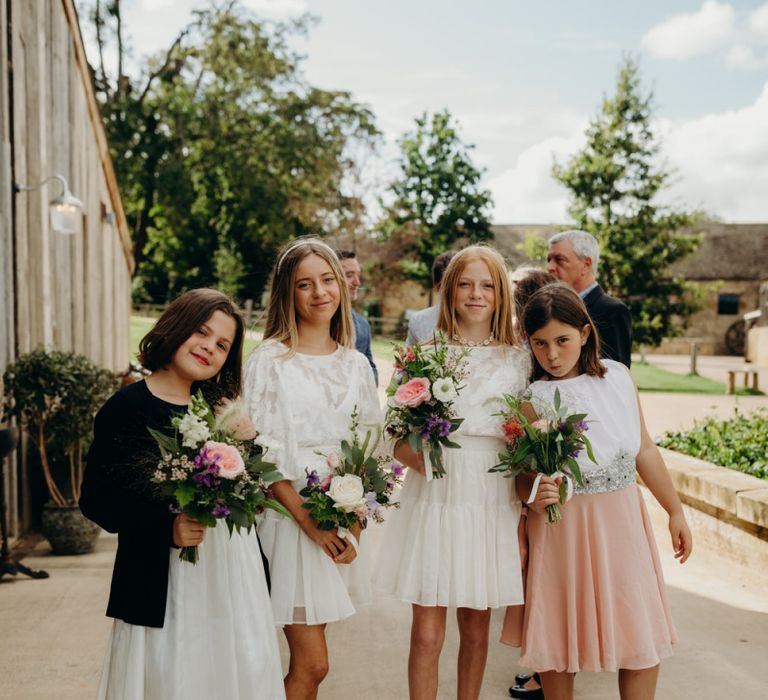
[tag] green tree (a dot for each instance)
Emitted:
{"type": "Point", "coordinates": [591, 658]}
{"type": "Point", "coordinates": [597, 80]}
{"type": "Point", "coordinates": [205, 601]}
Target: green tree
{"type": "Point", "coordinates": [223, 150]}
{"type": "Point", "coordinates": [614, 182]}
{"type": "Point", "coordinates": [437, 196]}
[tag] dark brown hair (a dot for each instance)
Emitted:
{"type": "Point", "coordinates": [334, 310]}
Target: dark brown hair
{"type": "Point", "coordinates": [558, 302]}
{"type": "Point", "coordinates": [438, 267]}
{"type": "Point", "coordinates": [525, 282]}
{"type": "Point", "coordinates": [183, 317]}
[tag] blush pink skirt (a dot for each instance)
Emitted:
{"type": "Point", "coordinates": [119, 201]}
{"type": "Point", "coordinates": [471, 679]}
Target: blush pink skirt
{"type": "Point", "coordinates": [594, 589]}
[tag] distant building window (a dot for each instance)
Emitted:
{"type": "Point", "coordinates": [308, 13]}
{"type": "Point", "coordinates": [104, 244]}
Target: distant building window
{"type": "Point", "coordinates": [728, 304]}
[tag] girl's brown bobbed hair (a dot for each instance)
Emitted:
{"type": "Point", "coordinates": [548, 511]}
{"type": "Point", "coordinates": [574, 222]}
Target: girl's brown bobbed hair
{"type": "Point", "coordinates": [183, 317]}
{"type": "Point", "coordinates": [558, 302]}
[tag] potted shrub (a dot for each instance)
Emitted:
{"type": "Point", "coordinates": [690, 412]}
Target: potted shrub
{"type": "Point", "coordinates": [54, 395]}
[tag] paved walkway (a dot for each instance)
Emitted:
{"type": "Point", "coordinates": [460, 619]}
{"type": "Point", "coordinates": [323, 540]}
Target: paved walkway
{"type": "Point", "coordinates": [54, 632]}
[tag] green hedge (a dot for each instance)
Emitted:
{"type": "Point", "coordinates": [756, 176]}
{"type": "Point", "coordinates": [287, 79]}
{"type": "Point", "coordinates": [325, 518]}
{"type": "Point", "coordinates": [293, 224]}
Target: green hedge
{"type": "Point", "coordinates": [739, 443]}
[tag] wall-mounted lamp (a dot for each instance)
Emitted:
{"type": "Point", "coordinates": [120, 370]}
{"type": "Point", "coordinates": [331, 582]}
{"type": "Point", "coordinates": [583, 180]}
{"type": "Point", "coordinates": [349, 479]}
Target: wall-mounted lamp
{"type": "Point", "coordinates": [66, 210]}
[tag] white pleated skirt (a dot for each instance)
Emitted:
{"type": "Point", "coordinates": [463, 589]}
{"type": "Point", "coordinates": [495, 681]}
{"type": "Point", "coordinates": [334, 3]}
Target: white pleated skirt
{"type": "Point", "coordinates": [453, 541]}
{"type": "Point", "coordinates": [308, 587]}
{"type": "Point", "coordinates": [218, 638]}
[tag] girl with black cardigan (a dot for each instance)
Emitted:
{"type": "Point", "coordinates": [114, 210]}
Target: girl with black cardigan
{"type": "Point", "coordinates": [180, 630]}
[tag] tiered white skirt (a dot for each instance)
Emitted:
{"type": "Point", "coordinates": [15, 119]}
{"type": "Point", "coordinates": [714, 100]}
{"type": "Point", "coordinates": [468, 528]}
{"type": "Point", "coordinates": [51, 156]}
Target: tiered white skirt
{"type": "Point", "coordinates": [308, 587]}
{"type": "Point", "coordinates": [218, 639]}
{"type": "Point", "coordinates": [453, 541]}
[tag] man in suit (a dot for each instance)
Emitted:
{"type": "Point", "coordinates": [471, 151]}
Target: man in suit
{"type": "Point", "coordinates": [422, 323]}
{"type": "Point", "coordinates": [572, 258]}
{"type": "Point", "coordinates": [351, 267]}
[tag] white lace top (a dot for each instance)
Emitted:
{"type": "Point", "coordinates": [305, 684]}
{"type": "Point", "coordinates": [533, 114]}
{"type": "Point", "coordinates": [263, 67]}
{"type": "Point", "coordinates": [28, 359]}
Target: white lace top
{"type": "Point", "coordinates": [493, 371]}
{"type": "Point", "coordinates": [304, 402]}
{"type": "Point", "coordinates": [613, 417]}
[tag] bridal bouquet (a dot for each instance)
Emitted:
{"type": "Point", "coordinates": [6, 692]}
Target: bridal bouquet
{"type": "Point", "coordinates": [213, 468]}
{"type": "Point", "coordinates": [548, 446]}
{"type": "Point", "coordinates": [357, 486]}
{"type": "Point", "coordinates": [426, 382]}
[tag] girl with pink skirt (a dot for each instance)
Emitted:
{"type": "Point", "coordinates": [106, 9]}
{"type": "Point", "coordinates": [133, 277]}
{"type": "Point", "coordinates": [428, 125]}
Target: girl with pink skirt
{"type": "Point", "coordinates": [594, 594]}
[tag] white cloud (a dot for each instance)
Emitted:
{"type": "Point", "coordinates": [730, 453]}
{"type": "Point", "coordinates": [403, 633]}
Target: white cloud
{"type": "Point", "coordinates": [715, 27]}
{"type": "Point", "coordinates": [691, 34]}
{"type": "Point", "coordinates": [745, 57]}
{"type": "Point", "coordinates": [277, 9]}
{"type": "Point", "coordinates": [527, 192]}
{"type": "Point", "coordinates": [720, 162]}
{"type": "Point", "coordinates": [758, 21]}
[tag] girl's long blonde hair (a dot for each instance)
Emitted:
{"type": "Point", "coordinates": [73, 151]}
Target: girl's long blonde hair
{"type": "Point", "coordinates": [501, 324]}
{"type": "Point", "coordinates": [282, 323]}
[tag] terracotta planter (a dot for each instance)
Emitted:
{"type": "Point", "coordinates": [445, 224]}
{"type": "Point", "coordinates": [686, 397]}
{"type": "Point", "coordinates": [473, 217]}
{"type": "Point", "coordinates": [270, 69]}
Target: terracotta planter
{"type": "Point", "coordinates": [68, 530]}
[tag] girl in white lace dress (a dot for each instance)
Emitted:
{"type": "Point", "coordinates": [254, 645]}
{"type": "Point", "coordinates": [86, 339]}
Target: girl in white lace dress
{"type": "Point", "coordinates": [302, 385]}
{"type": "Point", "coordinates": [453, 542]}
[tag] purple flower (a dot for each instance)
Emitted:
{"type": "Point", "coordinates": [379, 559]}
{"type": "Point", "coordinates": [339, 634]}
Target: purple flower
{"type": "Point", "coordinates": [397, 469]}
{"type": "Point", "coordinates": [435, 427]}
{"type": "Point", "coordinates": [370, 501]}
{"type": "Point", "coordinates": [220, 510]}
{"type": "Point", "coordinates": [206, 479]}
{"type": "Point", "coordinates": [574, 453]}
{"type": "Point", "coordinates": [313, 479]}
{"type": "Point", "coordinates": [581, 425]}
{"type": "Point", "coordinates": [390, 485]}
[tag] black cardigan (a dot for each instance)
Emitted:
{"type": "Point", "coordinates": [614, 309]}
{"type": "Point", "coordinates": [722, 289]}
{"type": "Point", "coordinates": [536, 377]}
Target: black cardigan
{"type": "Point", "coordinates": [614, 325]}
{"type": "Point", "coordinates": [117, 494]}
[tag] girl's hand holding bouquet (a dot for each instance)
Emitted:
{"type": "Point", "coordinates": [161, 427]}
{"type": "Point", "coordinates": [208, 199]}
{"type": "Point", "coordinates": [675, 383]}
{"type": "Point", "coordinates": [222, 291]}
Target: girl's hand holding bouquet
{"type": "Point", "coordinates": [547, 446]}
{"type": "Point", "coordinates": [420, 412]}
{"type": "Point", "coordinates": [357, 487]}
{"type": "Point", "coordinates": [213, 469]}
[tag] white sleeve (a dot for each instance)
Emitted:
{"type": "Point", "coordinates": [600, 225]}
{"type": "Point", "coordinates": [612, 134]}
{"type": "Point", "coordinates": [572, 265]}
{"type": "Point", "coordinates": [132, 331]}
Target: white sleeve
{"type": "Point", "coordinates": [267, 405]}
{"type": "Point", "coordinates": [369, 409]}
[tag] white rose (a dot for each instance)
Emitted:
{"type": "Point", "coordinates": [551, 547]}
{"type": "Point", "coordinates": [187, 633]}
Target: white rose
{"type": "Point", "coordinates": [444, 390]}
{"type": "Point", "coordinates": [347, 492]}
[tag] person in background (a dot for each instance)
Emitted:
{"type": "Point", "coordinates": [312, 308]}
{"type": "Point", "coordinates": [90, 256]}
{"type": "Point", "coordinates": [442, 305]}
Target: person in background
{"type": "Point", "coordinates": [423, 323]}
{"type": "Point", "coordinates": [525, 281]}
{"type": "Point", "coordinates": [572, 258]}
{"type": "Point", "coordinates": [351, 267]}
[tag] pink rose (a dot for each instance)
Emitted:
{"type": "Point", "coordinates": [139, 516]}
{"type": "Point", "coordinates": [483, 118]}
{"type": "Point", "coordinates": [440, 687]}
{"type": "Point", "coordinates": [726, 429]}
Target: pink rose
{"type": "Point", "coordinates": [332, 460]}
{"type": "Point", "coordinates": [543, 425]}
{"type": "Point", "coordinates": [325, 484]}
{"type": "Point", "coordinates": [413, 393]}
{"type": "Point", "coordinates": [226, 457]}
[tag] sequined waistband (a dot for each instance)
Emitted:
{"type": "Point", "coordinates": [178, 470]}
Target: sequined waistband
{"type": "Point", "coordinates": [619, 473]}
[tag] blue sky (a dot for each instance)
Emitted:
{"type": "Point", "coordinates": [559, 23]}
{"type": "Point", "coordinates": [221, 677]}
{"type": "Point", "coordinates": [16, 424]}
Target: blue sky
{"type": "Point", "coordinates": [523, 79]}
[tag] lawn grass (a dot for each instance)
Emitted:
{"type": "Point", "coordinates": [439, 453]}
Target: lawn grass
{"type": "Point", "coordinates": [650, 378]}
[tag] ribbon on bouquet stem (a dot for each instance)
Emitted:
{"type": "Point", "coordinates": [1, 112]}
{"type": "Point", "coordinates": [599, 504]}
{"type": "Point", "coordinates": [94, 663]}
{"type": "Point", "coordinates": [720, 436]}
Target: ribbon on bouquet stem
{"type": "Point", "coordinates": [568, 485]}
{"type": "Point", "coordinates": [347, 535]}
{"type": "Point", "coordinates": [427, 461]}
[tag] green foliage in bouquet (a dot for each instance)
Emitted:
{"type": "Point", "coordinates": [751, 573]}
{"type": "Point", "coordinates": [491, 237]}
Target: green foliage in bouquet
{"type": "Point", "coordinates": [546, 446]}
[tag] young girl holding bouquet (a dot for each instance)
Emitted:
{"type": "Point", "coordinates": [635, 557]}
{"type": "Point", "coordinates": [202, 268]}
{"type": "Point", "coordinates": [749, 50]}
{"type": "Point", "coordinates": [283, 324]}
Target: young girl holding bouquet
{"type": "Point", "coordinates": [302, 385]}
{"type": "Point", "coordinates": [181, 630]}
{"type": "Point", "coordinates": [595, 597]}
{"type": "Point", "coordinates": [449, 544]}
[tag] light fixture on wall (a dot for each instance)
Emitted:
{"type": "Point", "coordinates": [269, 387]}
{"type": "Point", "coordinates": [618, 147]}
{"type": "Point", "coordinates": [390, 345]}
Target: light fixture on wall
{"type": "Point", "coordinates": [66, 210]}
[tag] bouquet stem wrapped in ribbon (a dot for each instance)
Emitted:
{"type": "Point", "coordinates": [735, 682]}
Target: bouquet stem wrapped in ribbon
{"type": "Point", "coordinates": [548, 446]}
{"type": "Point", "coordinates": [356, 488]}
{"type": "Point", "coordinates": [213, 468]}
{"type": "Point", "coordinates": [426, 382]}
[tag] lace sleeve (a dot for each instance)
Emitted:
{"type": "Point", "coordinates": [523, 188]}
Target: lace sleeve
{"type": "Point", "coordinates": [267, 404]}
{"type": "Point", "coordinates": [369, 408]}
